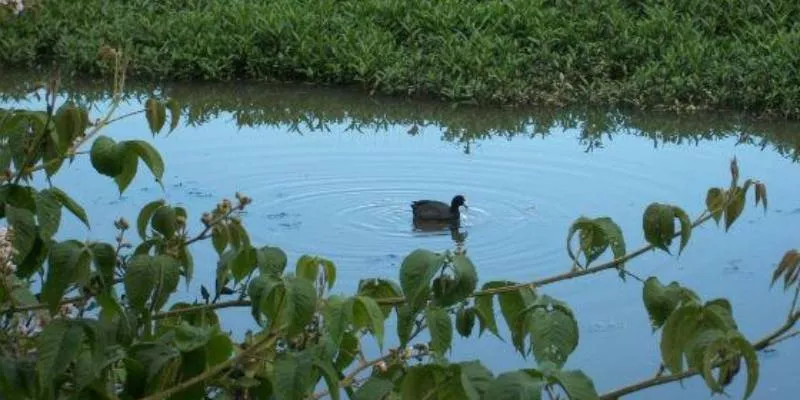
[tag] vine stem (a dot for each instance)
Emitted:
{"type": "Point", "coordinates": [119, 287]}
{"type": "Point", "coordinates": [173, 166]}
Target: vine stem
{"type": "Point", "coordinates": [769, 340]}
{"type": "Point", "coordinates": [260, 345]}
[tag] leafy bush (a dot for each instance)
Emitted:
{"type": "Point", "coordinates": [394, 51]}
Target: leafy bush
{"type": "Point", "coordinates": [79, 337]}
{"type": "Point", "coordinates": [686, 54]}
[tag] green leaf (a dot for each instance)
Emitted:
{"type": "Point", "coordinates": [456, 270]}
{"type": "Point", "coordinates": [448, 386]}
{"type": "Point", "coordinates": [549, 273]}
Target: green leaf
{"type": "Point", "coordinates": [735, 207]}
{"type": "Point", "coordinates": [307, 268]}
{"type": "Point", "coordinates": [679, 329]}
{"type": "Point", "coordinates": [512, 306]}
{"type": "Point", "coordinates": [65, 261]}
{"type": "Point", "coordinates": [70, 205]}
{"type": "Point", "coordinates": [479, 376]}
{"type": "Point", "coordinates": [577, 385]}
{"type": "Point", "coordinates": [301, 303]}
{"type": "Point", "coordinates": [375, 388]}
{"type": "Point", "coordinates": [58, 346]}
{"type": "Point", "coordinates": [465, 321]}
{"type": "Point", "coordinates": [419, 382]}
{"type": "Point", "coordinates": [24, 230]}
{"type": "Point", "coordinates": [271, 260]}
{"type": "Point", "coordinates": [149, 155]}
{"type": "Point", "coordinates": [380, 289]}
{"type": "Point", "coordinates": [106, 156]}
{"type": "Point", "coordinates": [659, 225]}
{"type": "Point", "coordinates": [441, 329]}
{"type": "Point", "coordinates": [68, 123]}
{"type": "Point", "coordinates": [167, 277]}
{"type": "Point", "coordinates": [335, 317]}
{"type": "Point", "coordinates": [165, 221]}
{"type": "Point", "coordinates": [465, 280]}
{"type": "Point", "coordinates": [219, 237]}
{"type": "Point", "coordinates": [34, 260]}
{"type": "Point", "coordinates": [329, 268]}
{"type": "Point", "coordinates": [593, 240]}
{"type": "Point", "coordinates": [614, 236]}
{"type": "Point", "coordinates": [105, 260]}
{"type": "Point", "coordinates": [48, 213]}
{"type": "Point", "coordinates": [715, 203]}
{"type": "Point", "coordinates": [516, 385]}
{"type": "Point", "coordinates": [751, 360]}
{"type": "Point", "coordinates": [686, 227]}
{"type": "Point", "coordinates": [187, 261]}
{"type": "Point", "coordinates": [660, 300]}
{"type": "Point", "coordinates": [405, 323]}
{"type": "Point", "coordinates": [330, 376]}
{"type": "Point", "coordinates": [367, 313]}
{"type": "Point", "coordinates": [416, 272]}
{"type": "Point", "coordinates": [139, 280]}
{"type": "Point", "coordinates": [244, 263]}
{"type": "Point", "coordinates": [484, 308]}
{"type": "Point", "coordinates": [218, 349]}
{"type": "Point", "coordinates": [129, 164]}
{"type": "Point", "coordinates": [174, 113]}
{"type": "Point", "coordinates": [156, 115]}
{"type": "Point", "coordinates": [347, 351]}
{"type": "Point", "coordinates": [554, 331]}
{"type": "Point", "coordinates": [144, 217]}
{"type": "Point", "coordinates": [292, 371]}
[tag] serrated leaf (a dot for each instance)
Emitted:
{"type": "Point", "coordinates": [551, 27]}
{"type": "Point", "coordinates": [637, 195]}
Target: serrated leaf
{"type": "Point", "coordinates": [484, 309]}
{"type": "Point", "coordinates": [105, 260]}
{"type": "Point", "coordinates": [156, 115]}
{"type": "Point", "coordinates": [787, 267]}
{"type": "Point", "coordinates": [659, 225]}
{"type": "Point", "coordinates": [419, 382]}
{"type": "Point", "coordinates": [735, 207]}
{"type": "Point", "coordinates": [34, 260]}
{"type": "Point", "coordinates": [243, 263]}
{"type": "Point", "coordinates": [174, 113]}
{"type": "Point", "coordinates": [576, 384]}
{"type": "Point", "coordinates": [715, 203]}
{"type": "Point", "coordinates": [65, 261]}
{"type": "Point", "coordinates": [301, 301]}
{"type": "Point", "coordinates": [686, 227]}
{"type": "Point", "coordinates": [441, 329]}
{"type": "Point", "coordinates": [592, 240]}
{"type": "Point", "coordinates": [24, 230]}
{"type": "Point", "coordinates": [479, 376]}
{"type": "Point", "coordinates": [271, 260]}
{"type": "Point", "coordinates": [58, 345]}
{"type": "Point", "coordinates": [139, 280]}
{"type": "Point", "coordinates": [48, 213]}
{"type": "Point", "coordinates": [416, 272]}
{"type": "Point", "coordinates": [405, 323]}
{"type": "Point", "coordinates": [512, 306]}
{"type": "Point", "coordinates": [335, 317]}
{"type": "Point", "coordinates": [71, 205]}
{"type": "Point", "coordinates": [554, 331]}
{"type": "Point", "coordinates": [187, 261]}
{"type": "Point", "coordinates": [347, 351]}
{"type": "Point", "coordinates": [375, 388]}
{"type": "Point", "coordinates": [761, 194]}
{"type": "Point", "coordinates": [679, 329]}
{"type": "Point", "coordinates": [219, 237]}
{"type": "Point", "coordinates": [330, 376]}
{"type": "Point", "coordinates": [218, 349]}
{"type": "Point", "coordinates": [168, 275]}
{"type": "Point", "coordinates": [751, 360]}
{"type": "Point", "coordinates": [145, 215]}
{"type": "Point", "coordinates": [465, 280]}
{"type": "Point", "coordinates": [106, 157]}
{"type": "Point", "coordinates": [329, 268]}
{"type": "Point", "coordinates": [147, 153]}
{"type": "Point", "coordinates": [291, 375]}
{"type": "Point", "coordinates": [378, 288]}
{"type": "Point", "coordinates": [165, 221]}
{"type": "Point", "coordinates": [660, 300]}
{"type": "Point", "coordinates": [614, 236]}
{"type": "Point", "coordinates": [465, 321]}
{"type": "Point", "coordinates": [515, 385]}
{"type": "Point", "coordinates": [366, 313]}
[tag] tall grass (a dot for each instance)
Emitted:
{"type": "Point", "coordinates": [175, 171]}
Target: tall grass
{"type": "Point", "coordinates": [654, 53]}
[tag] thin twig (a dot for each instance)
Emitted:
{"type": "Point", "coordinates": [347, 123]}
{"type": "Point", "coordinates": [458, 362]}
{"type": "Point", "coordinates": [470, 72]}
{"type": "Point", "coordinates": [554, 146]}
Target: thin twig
{"type": "Point", "coordinates": [260, 345]}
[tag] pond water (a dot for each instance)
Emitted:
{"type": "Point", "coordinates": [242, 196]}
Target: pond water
{"type": "Point", "coordinates": [332, 173]}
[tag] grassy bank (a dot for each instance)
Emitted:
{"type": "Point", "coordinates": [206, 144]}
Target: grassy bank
{"type": "Point", "coordinates": [736, 55]}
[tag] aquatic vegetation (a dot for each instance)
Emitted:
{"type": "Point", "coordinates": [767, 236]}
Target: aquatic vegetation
{"type": "Point", "coordinates": [78, 337]}
{"type": "Point", "coordinates": [677, 55]}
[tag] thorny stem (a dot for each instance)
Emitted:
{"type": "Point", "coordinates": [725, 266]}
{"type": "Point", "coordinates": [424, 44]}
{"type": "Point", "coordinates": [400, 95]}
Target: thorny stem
{"type": "Point", "coordinates": [770, 340]}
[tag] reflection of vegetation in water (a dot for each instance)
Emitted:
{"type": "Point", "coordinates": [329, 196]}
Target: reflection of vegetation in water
{"type": "Point", "coordinates": [314, 109]}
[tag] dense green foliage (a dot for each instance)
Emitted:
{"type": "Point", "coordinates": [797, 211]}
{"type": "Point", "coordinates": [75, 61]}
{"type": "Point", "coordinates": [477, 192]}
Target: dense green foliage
{"type": "Point", "coordinates": [97, 320]}
{"type": "Point", "coordinates": [650, 53]}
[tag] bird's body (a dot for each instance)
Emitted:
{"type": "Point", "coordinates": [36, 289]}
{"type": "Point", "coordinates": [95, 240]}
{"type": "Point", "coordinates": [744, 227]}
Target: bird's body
{"type": "Point", "coordinates": [434, 210]}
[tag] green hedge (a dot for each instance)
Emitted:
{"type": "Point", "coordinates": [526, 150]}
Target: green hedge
{"type": "Point", "coordinates": [720, 54]}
